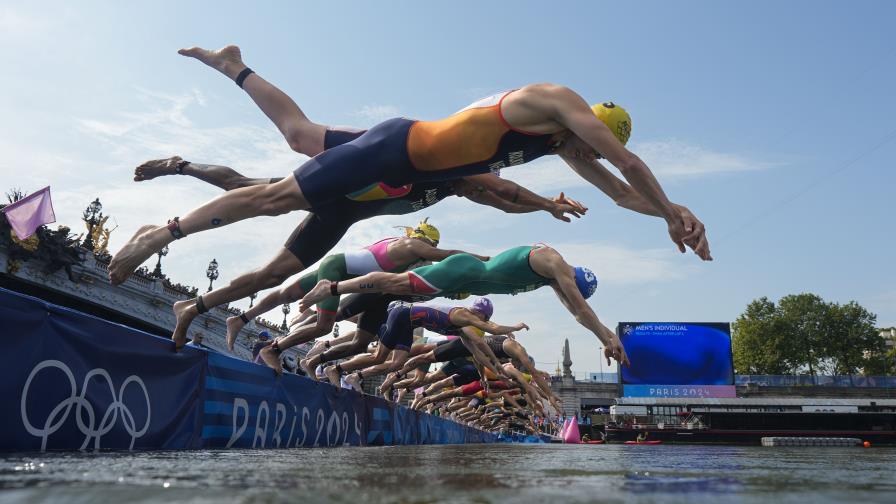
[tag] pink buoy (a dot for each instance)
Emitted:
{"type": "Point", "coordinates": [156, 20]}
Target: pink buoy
{"type": "Point", "coordinates": [571, 435]}
{"type": "Point", "coordinates": [562, 433]}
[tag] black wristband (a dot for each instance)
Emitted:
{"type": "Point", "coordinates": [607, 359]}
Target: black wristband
{"type": "Point", "coordinates": [179, 167]}
{"type": "Point", "coordinates": [242, 76]}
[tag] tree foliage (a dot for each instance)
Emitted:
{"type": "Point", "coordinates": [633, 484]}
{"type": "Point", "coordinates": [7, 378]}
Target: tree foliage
{"type": "Point", "coordinates": [804, 334]}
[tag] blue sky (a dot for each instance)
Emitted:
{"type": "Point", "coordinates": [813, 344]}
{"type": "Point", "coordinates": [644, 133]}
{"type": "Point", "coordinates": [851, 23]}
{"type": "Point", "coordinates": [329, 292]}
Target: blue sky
{"type": "Point", "coordinates": [774, 122]}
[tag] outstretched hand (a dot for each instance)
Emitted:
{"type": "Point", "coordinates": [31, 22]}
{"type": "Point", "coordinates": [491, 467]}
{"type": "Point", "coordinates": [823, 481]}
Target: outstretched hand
{"type": "Point", "coordinates": [616, 351]}
{"type": "Point", "coordinates": [696, 234]}
{"type": "Point", "coordinates": [677, 232]}
{"type": "Point", "coordinates": [564, 205]}
{"type": "Point", "coordinates": [520, 327]}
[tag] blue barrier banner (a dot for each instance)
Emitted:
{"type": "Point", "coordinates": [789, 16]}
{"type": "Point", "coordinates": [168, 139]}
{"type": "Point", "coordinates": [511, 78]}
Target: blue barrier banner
{"type": "Point", "coordinates": [247, 406]}
{"type": "Point", "coordinates": [75, 382]}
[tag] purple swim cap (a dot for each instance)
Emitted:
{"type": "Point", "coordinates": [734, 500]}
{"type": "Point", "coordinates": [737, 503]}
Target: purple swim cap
{"type": "Point", "coordinates": [484, 306]}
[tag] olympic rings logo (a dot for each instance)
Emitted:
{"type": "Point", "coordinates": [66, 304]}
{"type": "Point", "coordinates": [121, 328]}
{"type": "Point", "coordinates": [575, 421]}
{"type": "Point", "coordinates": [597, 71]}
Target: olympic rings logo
{"type": "Point", "coordinates": [91, 429]}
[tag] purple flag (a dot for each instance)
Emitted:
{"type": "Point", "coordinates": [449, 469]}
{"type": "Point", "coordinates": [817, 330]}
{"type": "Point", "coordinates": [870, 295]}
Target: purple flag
{"type": "Point", "coordinates": [30, 212]}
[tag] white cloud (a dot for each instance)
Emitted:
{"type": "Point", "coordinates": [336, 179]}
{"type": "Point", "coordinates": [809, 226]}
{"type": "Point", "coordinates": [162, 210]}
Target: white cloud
{"type": "Point", "coordinates": [18, 24]}
{"type": "Point", "coordinates": [674, 158]}
{"type": "Point", "coordinates": [163, 128]}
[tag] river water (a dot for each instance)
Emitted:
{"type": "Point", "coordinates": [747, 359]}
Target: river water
{"type": "Point", "coordinates": [463, 473]}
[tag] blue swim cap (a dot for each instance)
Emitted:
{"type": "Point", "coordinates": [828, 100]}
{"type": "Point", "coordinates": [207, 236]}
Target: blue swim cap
{"type": "Point", "coordinates": [586, 281]}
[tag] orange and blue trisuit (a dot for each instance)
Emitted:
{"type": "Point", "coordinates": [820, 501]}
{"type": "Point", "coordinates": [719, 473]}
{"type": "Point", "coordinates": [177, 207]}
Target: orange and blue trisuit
{"type": "Point", "coordinates": [387, 159]}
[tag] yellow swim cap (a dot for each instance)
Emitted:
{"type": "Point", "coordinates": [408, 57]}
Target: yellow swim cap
{"type": "Point", "coordinates": [425, 230]}
{"type": "Point", "coordinates": [616, 118]}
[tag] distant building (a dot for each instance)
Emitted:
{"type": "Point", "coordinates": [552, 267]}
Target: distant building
{"type": "Point", "coordinates": [889, 336]}
{"type": "Point", "coordinates": [603, 377]}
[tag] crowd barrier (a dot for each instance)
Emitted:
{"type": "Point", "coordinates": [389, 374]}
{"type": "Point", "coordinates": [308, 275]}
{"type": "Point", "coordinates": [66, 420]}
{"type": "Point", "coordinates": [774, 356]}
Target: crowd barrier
{"type": "Point", "coordinates": [71, 381]}
{"type": "Point", "coordinates": [817, 381]}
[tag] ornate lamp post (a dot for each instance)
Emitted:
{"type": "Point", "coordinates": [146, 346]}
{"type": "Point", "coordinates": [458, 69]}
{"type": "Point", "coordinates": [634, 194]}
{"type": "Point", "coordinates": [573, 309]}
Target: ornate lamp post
{"type": "Point", "coordinates": [283, 326]}
{"type": "Point", "coordinates": [91, 216]}
{"type": "Point", "coordinates": [157, 273]}
{"type": "Point", "coordinates": [252, 298]}
{"type": "Point", "coordinates": [211, 273]}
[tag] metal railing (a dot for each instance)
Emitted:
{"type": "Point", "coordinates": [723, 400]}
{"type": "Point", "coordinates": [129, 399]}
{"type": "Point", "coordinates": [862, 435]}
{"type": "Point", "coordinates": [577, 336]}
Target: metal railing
{"type": "Point", "coordinates": [816, 381]}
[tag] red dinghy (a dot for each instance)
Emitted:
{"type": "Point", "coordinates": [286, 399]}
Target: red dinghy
{"type": "Point", "coordinates": [599, 441]}
{"type": "Point", "coordinates": [643, 442]}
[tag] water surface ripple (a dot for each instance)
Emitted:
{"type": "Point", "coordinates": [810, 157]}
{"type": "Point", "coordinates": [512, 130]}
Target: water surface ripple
{"type": "Point", "coordinates": [471, 473]}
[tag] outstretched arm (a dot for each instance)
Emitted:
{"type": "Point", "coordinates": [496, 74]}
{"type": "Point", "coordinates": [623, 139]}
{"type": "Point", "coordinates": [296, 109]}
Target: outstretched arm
{"type": "Point", "coordinates": [570, 297]}
{"type": "Point", "coordinates": [466, 318]}
{"type": "Point", "coordinates": [575, 114]}
{"type": "Point", "coordinates": [482, 354]}
{"type": "Point", "coordinates": [516, 350]}
{"type": "Point", "coordinates": [626, 197]}
{"type": "Point", "coordinates": [518, 377]}
{"type": "Point", "coordinates": [549, 263]}
{"type": "Point", "coordinates": [506, 195]}
{"type": "Point", "coordinates": [430, 253]}
{"type": "Point", "coordinates": [592, 137]}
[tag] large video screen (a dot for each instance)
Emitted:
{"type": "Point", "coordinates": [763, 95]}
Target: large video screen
{"type": "Point", "coordinates": [677, 359]}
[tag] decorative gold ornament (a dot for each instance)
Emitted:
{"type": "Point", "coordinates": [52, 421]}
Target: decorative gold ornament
{"type": "Point", "coordinates": [30, 244]}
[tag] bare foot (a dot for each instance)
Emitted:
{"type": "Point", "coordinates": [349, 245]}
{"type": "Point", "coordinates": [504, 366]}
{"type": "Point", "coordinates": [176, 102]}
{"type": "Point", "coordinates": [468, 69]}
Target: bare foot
{"type": "Point", "coordinates": [400, 396]}
{"type": "Point", "coordinates": [156, 168]}
{"type": "Point", "coordinates": [271, 357]}
{"type": "Point", "coordinates": [318, 348]}
{"type": "Point", "coordinates": [234, 326]}
{"type": "Point", "coordinates": [417, 402]}
{"type": "Point", "coordinates": [332, 375]}
{"type": "Point", "coordinates": [387, 383]}
{"type": "Point", "coordinates": [228, 60]}
{"type": "Point", "coordinates": [354, 381]}
{"type": "Point", "coordinates": [184, 313]}
{"type": "Point", "coordinates": [320, 292]}
{"type": "Point", "coordinates": [308, 367]}
{"type": "Point", "coordinates": [145, 242]}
